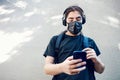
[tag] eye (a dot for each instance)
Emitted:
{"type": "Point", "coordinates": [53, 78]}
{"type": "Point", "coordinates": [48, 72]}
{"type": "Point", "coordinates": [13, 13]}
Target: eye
{"type": "Point", "coordinates": [79, 18]}
{"type": "Point", "coordinates": [70, 19]}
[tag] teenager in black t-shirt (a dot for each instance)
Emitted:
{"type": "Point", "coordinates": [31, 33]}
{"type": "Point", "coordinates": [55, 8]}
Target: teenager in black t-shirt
{"type": "Point", "coordinates": [67, 68]}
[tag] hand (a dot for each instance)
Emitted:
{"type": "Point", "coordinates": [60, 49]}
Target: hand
{"type": "Point", "coordinates": [69, 66]}
{"type": "Point", "coordinates": [91, 54]}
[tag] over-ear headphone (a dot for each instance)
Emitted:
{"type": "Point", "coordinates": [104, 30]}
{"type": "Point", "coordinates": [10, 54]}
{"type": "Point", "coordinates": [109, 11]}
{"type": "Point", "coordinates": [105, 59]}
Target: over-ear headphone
{"type": "Point", "coordinates": [73, 8]}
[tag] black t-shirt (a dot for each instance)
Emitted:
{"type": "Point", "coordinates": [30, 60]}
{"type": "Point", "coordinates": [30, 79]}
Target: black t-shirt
{"type": "Point", "coordinates": [67, 46]}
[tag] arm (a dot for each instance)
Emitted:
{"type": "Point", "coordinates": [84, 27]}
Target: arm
{"type": "Point", "coordinates": [98, 64]}
{"type": "Point", "coordinates": [68, 66]}
{"type": "Point", "coordinates": [50, 68]}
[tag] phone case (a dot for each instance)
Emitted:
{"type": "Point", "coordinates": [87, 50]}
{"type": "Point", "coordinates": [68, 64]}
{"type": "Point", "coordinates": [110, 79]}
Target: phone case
{"type": "Point", "coordinates": [79, 55]}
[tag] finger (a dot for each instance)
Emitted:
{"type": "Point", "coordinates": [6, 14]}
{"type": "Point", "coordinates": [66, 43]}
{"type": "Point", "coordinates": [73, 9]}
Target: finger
{"type": "Point", "coordinates": [91, 51]}
{"type": "Point", "coordinates": [78, 65]}
{"type": "Point", "coordinates": [90, 57]}
{"type": "Point", "coordinates": [75, 61]}
{"type": "Point", "coordinates": [91, 54]}
{"type": "Point", "coordinates": [70, 58]}
{"type": "Point", "coordinates": [78, 69]}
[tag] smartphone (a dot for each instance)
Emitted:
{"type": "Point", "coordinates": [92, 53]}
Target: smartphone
{"type": "Point", "coordinates": [79, 55]}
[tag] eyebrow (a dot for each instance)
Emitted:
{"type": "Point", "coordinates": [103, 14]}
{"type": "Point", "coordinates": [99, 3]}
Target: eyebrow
{"type": "Point", "coordinates": [72, 17]}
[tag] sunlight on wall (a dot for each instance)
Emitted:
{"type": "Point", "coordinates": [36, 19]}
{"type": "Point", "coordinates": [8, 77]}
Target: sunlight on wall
{"type": "Point", "coordinates": [56, 17]}
{"type": "Point", "coordinates": [119, 46]}
{"type": "Point", "coordinates": [37, 1]}
{"type": "Point", "coordinates": [21, 4]}
{"type": "Point", "coordinates": [112, 21]}
{"type": "Point", "coordinates": [6, 11]}
{"type": "Point", "coordinates": [5, 19]}
{"type": "Point", "coordinates": [28, 14]}
{"type": "Point", "coordinates": [8, 41]}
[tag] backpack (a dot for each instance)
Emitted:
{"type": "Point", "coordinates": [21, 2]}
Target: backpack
{"type": "Point", "coordinates": [60, 37]}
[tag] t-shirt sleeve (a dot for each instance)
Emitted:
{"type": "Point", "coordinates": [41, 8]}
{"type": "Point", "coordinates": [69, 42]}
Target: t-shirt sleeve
{"type": "Point", "coordinates": [94, 46]}
{"type": "Point", "coordinates": [50, 50]}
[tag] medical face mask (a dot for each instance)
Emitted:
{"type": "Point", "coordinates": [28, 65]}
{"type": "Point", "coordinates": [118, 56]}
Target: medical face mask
{"type": "Point", "coordinates": [75, 27]}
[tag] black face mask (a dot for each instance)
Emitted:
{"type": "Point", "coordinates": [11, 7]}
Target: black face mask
{"type": "Point", "coordinates": [75, 27]}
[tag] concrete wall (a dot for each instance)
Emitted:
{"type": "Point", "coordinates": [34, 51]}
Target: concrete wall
{"type": "Point", "coordinates": [26, 27]}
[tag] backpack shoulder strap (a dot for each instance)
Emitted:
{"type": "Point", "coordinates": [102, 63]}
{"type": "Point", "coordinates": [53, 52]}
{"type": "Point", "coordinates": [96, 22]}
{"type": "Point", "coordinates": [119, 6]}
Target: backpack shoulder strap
{"type": "Point", "coordinates": [60, 37]}
{"type": "Point", "coordinates": [85, 42]}
{"type": "Point", "coordinates": [58, 41]}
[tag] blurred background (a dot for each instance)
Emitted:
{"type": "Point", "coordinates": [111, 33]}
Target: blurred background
{"type": "Point", "coordinates": [26, 27]}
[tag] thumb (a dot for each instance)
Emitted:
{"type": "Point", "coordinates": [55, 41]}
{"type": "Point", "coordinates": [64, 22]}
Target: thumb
{"type": "Point", "coordinates": [70, 58]}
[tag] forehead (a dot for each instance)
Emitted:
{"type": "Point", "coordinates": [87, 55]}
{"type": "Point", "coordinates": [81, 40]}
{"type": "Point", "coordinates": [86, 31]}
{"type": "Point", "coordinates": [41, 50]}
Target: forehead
{"type": "Point", "coordinates": [73, 14]}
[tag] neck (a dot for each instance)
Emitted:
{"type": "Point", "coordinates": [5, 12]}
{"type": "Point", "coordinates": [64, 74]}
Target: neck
{"type": "Point", "coordinates": [70, 34]}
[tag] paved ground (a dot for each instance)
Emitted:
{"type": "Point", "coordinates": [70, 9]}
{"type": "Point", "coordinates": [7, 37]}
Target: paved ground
{"type": "Point", "coordinates": [26, 27]}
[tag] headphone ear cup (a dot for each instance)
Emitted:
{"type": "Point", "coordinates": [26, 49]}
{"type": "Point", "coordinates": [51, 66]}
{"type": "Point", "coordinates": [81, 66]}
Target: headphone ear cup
{"type": "Point", "coordinates": [64, 21]}
{"type": "Point", "coordinates": [84, 19]}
